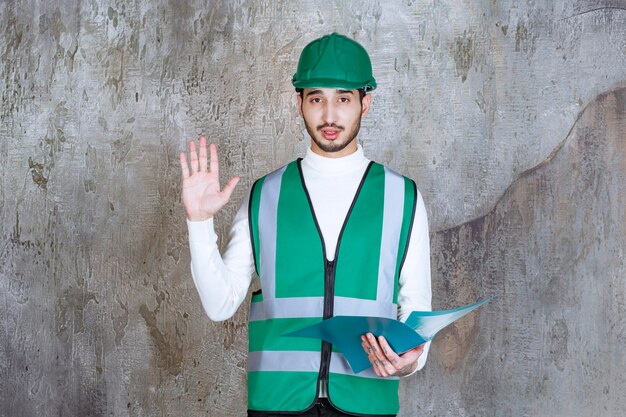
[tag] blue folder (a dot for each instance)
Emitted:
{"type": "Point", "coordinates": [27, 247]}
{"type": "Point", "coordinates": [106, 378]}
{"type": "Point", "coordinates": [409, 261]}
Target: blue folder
{"type": "Point", "coordinates": [344, 332]}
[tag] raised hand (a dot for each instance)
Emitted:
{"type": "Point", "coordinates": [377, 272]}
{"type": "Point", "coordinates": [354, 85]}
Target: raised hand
{"type": "Point", "coordinates": [202, 196]}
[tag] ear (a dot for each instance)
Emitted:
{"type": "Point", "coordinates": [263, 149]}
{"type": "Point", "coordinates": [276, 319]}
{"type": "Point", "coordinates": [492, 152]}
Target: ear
{"type": "Point", "coordinates": [365, 104]}
{"type": "Point", "coordinates": [299, 97]}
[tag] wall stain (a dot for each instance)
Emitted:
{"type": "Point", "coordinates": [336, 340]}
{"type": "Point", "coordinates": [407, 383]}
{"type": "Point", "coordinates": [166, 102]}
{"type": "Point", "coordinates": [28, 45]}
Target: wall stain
{"type": "Point", "coordinates": [121, 147]}
{"type": "Point", "coordinates": [454, 342]}
{"type": "Point", "coordinates": [55, 138]}
{"type": "Point", "coordinates": [558, 337]}
{"type": "Point", "coordinates": [52, 145]}
{"type": "Point", "coordinates": [503, 28]}
{"type": "Point", "coordinates": [524, 39]}
{"type": "Point", "coordinates": [463, 53]}
{"type": "Point", "coordinates": [112, 15]}
{"type": "Point", "coordinates": [90, 186]}
{"type": "Point", "coordinates": [19, 289]}
{"type": "Point", "coordinates": [36, 171]}
{"type": "Point", "coordinates": [72, 303]}
{"type": "Point", "coordinates": [233, 331]}
{"type": "Point", "coordinates": [16, 237]}
{"type": "Point", "coordinates": [120, 322]}
{"type": "Point", "coordinates": [170, 355]}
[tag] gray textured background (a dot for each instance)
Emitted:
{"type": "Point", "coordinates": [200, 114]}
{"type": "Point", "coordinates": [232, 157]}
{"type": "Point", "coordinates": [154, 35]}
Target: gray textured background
{"type": "Point", "coordinates": [511, 117]}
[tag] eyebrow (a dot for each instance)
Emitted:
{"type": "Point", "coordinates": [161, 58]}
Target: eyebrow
{"type": "Point", "coordinates": [312, 92]}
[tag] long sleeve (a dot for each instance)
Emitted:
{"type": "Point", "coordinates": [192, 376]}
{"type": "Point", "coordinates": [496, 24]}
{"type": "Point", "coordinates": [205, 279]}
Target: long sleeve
{"type": "Point", "coordinates": [222, 281]}
{"type": "Point", "coordinates": [415, 286]}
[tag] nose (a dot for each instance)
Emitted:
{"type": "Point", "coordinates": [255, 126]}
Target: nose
{"type": "Point", "coordinates": [330, 113]}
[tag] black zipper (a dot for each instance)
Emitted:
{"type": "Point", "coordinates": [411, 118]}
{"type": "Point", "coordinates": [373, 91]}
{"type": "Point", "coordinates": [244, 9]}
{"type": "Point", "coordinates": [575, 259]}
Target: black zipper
{"type": "Point", "coordinates": [330, 268]}
{"type": "Point", "coordinates": [329, 288]}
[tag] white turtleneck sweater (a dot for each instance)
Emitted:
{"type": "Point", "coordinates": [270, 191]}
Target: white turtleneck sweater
{"type": "Point", "coordinates": [223, 280]}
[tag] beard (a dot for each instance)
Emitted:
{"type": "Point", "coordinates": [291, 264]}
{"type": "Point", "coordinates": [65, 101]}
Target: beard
{"type": "Point", "coordinates": [335, 145]}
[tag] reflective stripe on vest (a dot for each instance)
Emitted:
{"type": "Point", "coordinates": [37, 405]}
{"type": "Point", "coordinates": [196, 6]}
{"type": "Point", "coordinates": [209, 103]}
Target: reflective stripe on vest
{"type": "Point", "coordinates": [311, 307]}
{"type": "Point", "coordinates": [289, 259]}
{"type": "Point", "coordinates": [279, 360]}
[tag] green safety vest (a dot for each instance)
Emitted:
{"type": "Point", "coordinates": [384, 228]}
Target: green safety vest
{"type": "Point", "coordinates": [300, 287]}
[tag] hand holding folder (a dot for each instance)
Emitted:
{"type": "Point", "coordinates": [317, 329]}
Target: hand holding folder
{"type": "Point", "coordinates": [344, 332]}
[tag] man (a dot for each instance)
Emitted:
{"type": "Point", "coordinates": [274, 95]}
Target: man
{"type": "Point", "coordinates": [331, 234]}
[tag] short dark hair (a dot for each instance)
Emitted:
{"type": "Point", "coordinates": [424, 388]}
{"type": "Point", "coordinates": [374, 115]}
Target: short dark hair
{"type": "Point", "coordinates": [360, 90]}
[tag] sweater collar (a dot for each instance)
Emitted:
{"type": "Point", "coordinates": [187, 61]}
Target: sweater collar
{"type": "Point", "coordinates": [322, 164]}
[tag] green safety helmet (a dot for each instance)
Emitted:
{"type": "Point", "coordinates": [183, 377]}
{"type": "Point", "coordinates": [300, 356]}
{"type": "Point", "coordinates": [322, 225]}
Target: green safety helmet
{"type": "Point", "coordinates": [334, 61]}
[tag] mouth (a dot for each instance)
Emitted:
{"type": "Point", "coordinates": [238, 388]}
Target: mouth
{"type": "Point", "coordinates": [330, 133]}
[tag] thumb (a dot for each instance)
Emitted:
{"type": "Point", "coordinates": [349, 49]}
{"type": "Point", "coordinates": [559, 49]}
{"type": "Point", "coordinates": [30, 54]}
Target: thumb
{"type": "Point", "coordinates": [230, 187]}
{"type": "Point", "coordinates": [414, 353]}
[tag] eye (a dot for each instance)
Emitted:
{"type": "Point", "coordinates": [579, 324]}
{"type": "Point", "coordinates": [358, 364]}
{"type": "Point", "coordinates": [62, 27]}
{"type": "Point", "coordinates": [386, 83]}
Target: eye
{"type": "Point", "coordinates": [344, 99]}
{"type": "Point", "coordinates": [316, 100]}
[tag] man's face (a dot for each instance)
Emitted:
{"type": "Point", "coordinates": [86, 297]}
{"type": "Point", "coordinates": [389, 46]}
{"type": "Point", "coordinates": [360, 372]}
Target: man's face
{"type": "Point", "coordinates": [333, 119]}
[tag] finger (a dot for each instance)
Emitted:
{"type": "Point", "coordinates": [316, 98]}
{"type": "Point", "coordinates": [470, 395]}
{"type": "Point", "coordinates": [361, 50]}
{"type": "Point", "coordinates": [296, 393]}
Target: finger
{"type": "Point", "coordinates": [193, 156]}
{"type": "Point", "coordinates": [183, 165]}
{"type": "Point", "coordinates": [367, 347]}
{"type": "Point", "coordinates": [414, 353]}
{"type": "Point", "coordinates": [392, 362]}
{"type": "Point", "coordinates": [379, 359]}
{"type": "Point", "coordinates": [418, 349]}
{"type": "Point", "coordinates": [203, 159]}
{"type": "Point", "coordinates": [376, 367]}
{"type": "Point", "coordinates": [370, 355]}
{"type": "Point", "coordinates": [230, 186]}
{"type": "Point", "coordinates": [214, 168]}
{"type": "Point", "coordinates": [381, 367]}
{"type": "Point", "coordinates": [375, 346]}
{"type": "Point", "coordinates": [380, 364]}
{"type": "Point", "coordinates": [389, 353]}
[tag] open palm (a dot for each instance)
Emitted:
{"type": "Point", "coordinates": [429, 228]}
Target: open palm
{"type": "Point", "coordinates": [202, 196]}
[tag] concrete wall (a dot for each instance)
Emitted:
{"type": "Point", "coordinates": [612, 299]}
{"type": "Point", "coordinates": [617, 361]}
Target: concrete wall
{"type": "Point", "coordinates": [509, 115]}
